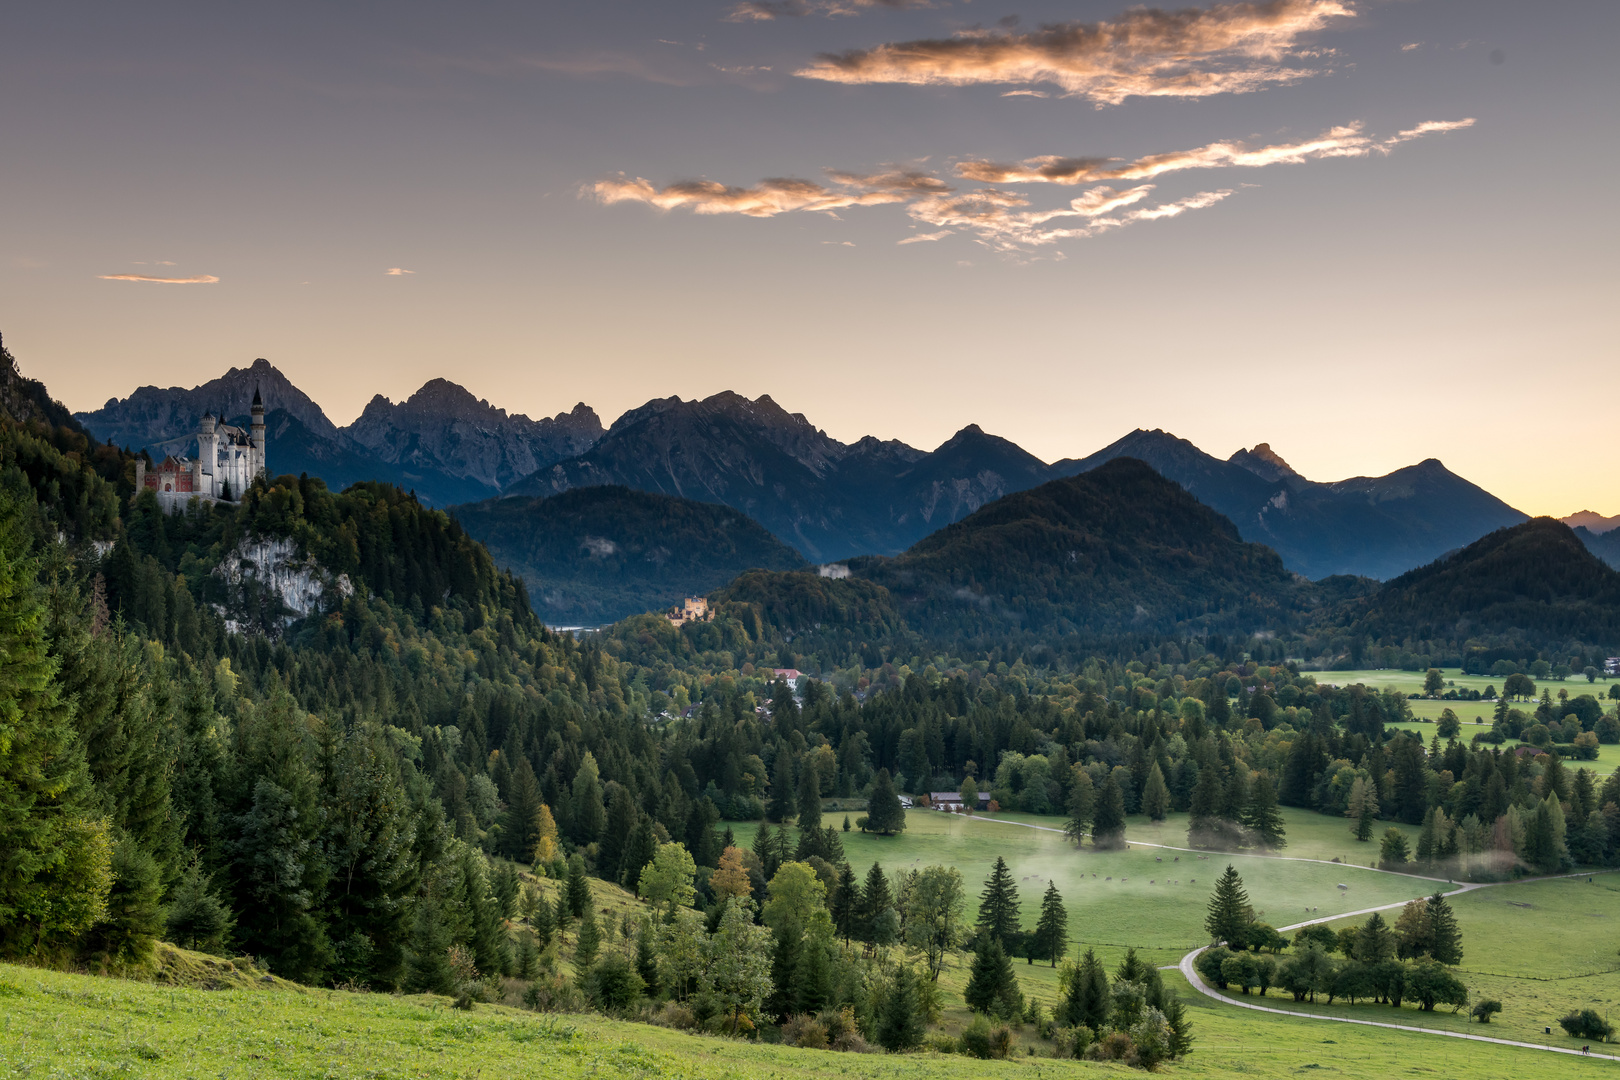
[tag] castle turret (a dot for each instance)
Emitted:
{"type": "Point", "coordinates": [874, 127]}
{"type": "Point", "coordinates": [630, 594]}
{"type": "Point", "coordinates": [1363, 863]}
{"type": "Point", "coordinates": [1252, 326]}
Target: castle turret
{"type": "Point", "coordinates": [207, 455]}
{"type": "Point", "coordinates": [257, 431]}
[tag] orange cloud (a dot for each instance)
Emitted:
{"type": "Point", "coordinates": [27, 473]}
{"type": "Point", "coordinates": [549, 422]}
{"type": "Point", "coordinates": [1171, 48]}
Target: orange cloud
{"type": "Point", "coordinates": [1147, 52]}
{"type": "Point", "coordinates": [766, 199]}
{"type": "Point", "coordinates": [1345, 141]}
{"type": "Point", "coordinates": [201, 279]}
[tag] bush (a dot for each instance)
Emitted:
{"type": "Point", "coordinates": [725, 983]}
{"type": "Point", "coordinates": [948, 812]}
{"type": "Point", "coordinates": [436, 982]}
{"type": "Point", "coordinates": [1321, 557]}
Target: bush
{"type": "Point", "coordinates": [1587, 1024]}
{"type": "Point", "coordinates": [805, 1032]}
{"type": "Point", "coordinates": [675, 1015]}
{"type": "Point", "coordinates": [1485, 1010]}
{"type": "Point", "coordinates": [1112, 1047]}
{"type": "Point", "coordinates": [980, 1040]}
{"type": "Point", "coordinates": [1071, 1042]}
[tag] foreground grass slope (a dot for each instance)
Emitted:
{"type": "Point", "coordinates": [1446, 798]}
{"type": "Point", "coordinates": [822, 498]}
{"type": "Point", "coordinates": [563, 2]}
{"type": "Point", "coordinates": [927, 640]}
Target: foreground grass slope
{"type": "Point", "coordinates": [81, 1026]}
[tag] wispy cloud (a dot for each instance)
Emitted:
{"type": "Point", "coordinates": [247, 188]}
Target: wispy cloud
{"type": "Point", "coordinates": [200, 279]}
{"type": "Point", "coordinates": [1146, 52]}
{"type": "Point", "coordinates": [766, 10]}
{"type": "Point", "coordinates": [999, 217]}
{"type": "Point", "coordinates": [397, 271]}
{"type": "Point", "coordinates": [1348, 140]}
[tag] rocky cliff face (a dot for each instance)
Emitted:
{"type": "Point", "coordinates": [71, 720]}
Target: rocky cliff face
{"type": "Point", "coordinates": [271, 585]}
{"type": "Point", "coordinates": [442, 427]}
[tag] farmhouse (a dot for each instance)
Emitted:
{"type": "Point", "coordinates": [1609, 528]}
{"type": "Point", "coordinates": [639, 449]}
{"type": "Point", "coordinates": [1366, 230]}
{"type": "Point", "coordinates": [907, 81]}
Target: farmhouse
{"type": "Point", "coordinates": [952, 800]}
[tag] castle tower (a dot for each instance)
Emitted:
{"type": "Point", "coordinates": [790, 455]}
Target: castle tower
{"type": "Point", "coordinates": [207, 455]}
{"type": "Point", "coordinates": [257, 466]}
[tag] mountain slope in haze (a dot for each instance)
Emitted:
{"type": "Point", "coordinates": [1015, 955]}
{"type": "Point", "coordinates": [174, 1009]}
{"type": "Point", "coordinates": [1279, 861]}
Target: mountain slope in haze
{"type": "Point", "coordinates": [1113, 549]}
{"type": "Point", "coordinates": [598, 554]}
{"type": "Point", "coordinates": [1535, 580]}
{"type": "Point", "coordinates": [1592, 521]}
{"type": "Point", "coordinates": [1377, 527]}
{"type": "Point", "coordinates": [1605, 545]}
{"type": "Point", "coordinates": [152, 415]}
{"type": "Point", "coordinates": [830, 500]}
{"type": "Point", "coordinates": [444, 428]}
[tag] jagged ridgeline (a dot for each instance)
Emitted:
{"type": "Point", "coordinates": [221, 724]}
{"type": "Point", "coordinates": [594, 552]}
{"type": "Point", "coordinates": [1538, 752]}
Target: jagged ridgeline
{"type": "Point", "coordinates": [599, 554]}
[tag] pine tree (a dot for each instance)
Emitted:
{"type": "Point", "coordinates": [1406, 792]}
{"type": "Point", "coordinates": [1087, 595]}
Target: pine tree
{"type": "Point", "coordinates": [590, 816]}
{"type": "Point", "coordinates": [783, 805]}
{"type": "Point", "coordinates": [1082, 806]}
{"type": "Point", "coordinates": [1375, 943]}
{"type": "Point", "coordinates": [1445, 938]}
{"type": "Point", "coordinates": [875, 917]}
{"type": "Point", "coordinates": [842, 905]}
{"type": "Point", "coordinates": [44, 785]}
{"type": "Point", "coordinates": [520, 823]}
{"type": "Point", "coordinates": [577, 889]}
{"type": "Point", "coordinates": [1228, 919]}
{"type": "Point", "coordinates": [1155, 795]}
{"type": "Point", "coordinates": [900, 1024]}
{"type": "Point", "coordinates": [785, 958]}
{"type": "Point", "coordinates": [1363, 808]}
{"type": "Point", "coordinates": [991, 983]}
{"type": "Point", "coordinates": [197, 918]}
{"type": "Point", "coordinates": [1262, 818]}
{"type": "Point", "coordinates": [884, 815]}
{"type": "Point", "coordinates": [809, 799]}
{"type": "Point", "coordinates": [588, 941]}
{"type": "Point", "coordinates": [546, 849]}
{"type": "Point", "coordinates": [1175, 1017]}
{"type": "Point", "coordinates": [639, 850]}
{"type": "Point", "coordinates": [1052, 931]}
{"type": "Point", "coordinates": [613, 850]}
{"type": "Point", "coordinates": [764, 849]}
{"type": "Point", "coordinates": [545, 921]}
{"type": "Point", "coordinates": [1108, 827]}
{"type": "Point", "coordinates": [998, 906]}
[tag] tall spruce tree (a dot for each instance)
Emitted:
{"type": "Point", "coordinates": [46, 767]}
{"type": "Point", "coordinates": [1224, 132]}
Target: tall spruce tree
{"type": "Point", "coordinates": [783, 804]}
{"type": "Point", "coordinates": [1155, 795]}
{"type": "Point", "coordinates": [875, 920]}
{"type": "Point", "coordinates": [998, 907]}
{"type": "Point", "coordinates": [992, 987]}
{"type": "Point", "coordinates": [1052, 931]}
{"type": "Point", "coordinates": [1108, 826]}
{"type": "Point", "coordinates": [1082, 806]}
{"type": "Point", "coordinates": [1229, 915]}
{"type": "Point", "coordinates": [884, 815]}
{"type": "Point", "coordinates": [809, 799]}
{"type": "Point", "coordinates": [1445, 938]}
{"type": "Point", "coordinates": [844, 902]}
{"type": "Point", "coordinates": [900, 1023]}
{"type": "Point", "coordinates": [1262, 818]}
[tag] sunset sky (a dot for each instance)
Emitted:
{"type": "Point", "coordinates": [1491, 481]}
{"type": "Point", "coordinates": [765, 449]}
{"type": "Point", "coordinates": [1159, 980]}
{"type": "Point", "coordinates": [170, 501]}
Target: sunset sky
{"type": "Point", "coordinates": [1365, 232]}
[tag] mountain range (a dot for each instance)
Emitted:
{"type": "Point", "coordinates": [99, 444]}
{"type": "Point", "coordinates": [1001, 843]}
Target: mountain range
{"type": "Point", "coordinates": [828, 499]}
{"type": "Point", "coordinates": [443, 443]}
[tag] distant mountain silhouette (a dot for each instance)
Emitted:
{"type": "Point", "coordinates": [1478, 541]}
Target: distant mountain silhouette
{"type": "Point", "coordinates": [1605, 545]}
{"type": "Point", "coordinates": [1592, 521]}
{"type": "Point", "coordinates": [596, 555]}
{"type": "Point", "coordinates": [444, 428]}
{"type": "Point", "coordinates": [1377, 527]}
{"type": "Point", "coordinates": [1531, 581]}
{"type": "Point", "coordinates": [443, 443]}
{"type": "Point", "coordinates": [1112, 549]}
{"type": "Point", "coordinates": [828, 499]}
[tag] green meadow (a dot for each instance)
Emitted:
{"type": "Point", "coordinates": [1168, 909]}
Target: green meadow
{"type": "Point", "coordinates": [1541, 948]}
{"type": "Point", "coordinates": [63, 1025]}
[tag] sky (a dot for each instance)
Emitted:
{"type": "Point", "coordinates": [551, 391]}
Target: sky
{"type": "Point", "coordinates": [1367, 232]}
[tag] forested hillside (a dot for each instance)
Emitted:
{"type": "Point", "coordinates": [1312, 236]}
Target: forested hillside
{"type": "Point", "coordinates": [1115, 549]}
{"type": "Point", "coordinates": [596, 555]}
{"type": "Point", "coordinates": [1535, 581]}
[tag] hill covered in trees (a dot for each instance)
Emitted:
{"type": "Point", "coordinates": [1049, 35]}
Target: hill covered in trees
{"type": "Point", "coordinates": [1535, 581]}
{"type": "Point", "coordinates": [1116, 549]}
{"type": "Point", "coordinates": [600, 554]}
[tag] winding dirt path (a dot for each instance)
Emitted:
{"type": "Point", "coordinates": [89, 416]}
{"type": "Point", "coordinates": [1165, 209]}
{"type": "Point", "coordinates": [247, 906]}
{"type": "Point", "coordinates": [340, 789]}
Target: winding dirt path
{"type": "Point", "coordinates": [1197, 982]}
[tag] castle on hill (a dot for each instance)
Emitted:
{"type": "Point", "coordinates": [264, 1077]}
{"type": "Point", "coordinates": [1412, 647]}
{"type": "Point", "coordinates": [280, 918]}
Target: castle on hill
{"type": "Point", "coordinates": [228, 459]}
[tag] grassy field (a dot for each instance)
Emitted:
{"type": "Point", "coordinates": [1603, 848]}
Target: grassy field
{"type": "Point", "coordinates": [1411, 682]}
{"type": "Point", "coordinates": [63, 1025]}
{"type": "Point", "coordinates": [1541, 948]}
{"type": "Point", "coordinates": [1141, 896]}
